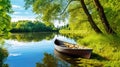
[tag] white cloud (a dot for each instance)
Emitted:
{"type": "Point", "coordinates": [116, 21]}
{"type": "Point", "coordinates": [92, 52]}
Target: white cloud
{"type": "Point", "coordinates": [17, 18]}
{"type": "Point", "coordinates": [17, 13]}
{"type": "Point", "coordinates": [14, 54]}
{"type": "Point", "coordinates": [16, 6]}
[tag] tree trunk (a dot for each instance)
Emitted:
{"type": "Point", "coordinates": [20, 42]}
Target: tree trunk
{"type": "Point", "coordinates": [90, 19]}
{"type": "Point", "coordinates": [103, 18]}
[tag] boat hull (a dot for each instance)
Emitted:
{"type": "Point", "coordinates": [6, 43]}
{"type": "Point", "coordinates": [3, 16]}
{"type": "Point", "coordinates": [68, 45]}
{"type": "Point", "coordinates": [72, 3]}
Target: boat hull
{"type": "Point", "coordinates": [84, 53]}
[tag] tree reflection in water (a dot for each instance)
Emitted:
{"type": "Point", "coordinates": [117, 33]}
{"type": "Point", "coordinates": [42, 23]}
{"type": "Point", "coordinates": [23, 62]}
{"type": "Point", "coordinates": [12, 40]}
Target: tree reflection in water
{"type": "Point", "coordinates": [28, 37]}
{"type": "Point", "coordinates": [79, 62]}
{"type": "Point", "coordinates": [63, 60]}
{"type": "Point", "coordinates": [3, 56]}
{"type": "Point", "coordinates": [74, 62]}
{"type": "Point", "coordinates": [51, 61]}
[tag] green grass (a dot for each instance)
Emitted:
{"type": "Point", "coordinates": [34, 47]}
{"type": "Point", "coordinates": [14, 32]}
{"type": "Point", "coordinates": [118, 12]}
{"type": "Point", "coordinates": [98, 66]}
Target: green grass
{"type": "Point", "coordinates": [106, 48]}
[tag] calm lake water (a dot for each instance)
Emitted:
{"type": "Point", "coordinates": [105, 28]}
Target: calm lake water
{"type": "Point", "coordinates": [30, 49]}
{"type": "Point", "coordinates": [37, 50]}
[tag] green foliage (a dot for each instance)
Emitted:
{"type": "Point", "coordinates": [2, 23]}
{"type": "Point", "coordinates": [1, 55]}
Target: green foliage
{"type": "Point", "coordinates": [3, 56]}
{"type": "Point", "coordinates": [47, 10]}
{"type": "Point", "coordinates": [29, 26]}
{"type": "Point", "coordinates": [112, 11]}
{"type": "Point", "coordinates": [5, 8]}
{"type": "Point", "coordinates": [50, 10]}
{"type": "Point", "coordinates": [106, 48]}
{"type": "Point", "coordinates": [78, 19]}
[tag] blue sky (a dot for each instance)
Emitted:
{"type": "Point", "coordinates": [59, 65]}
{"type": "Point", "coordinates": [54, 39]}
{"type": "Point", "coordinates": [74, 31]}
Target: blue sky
{"type": "Point", "coordinates": [21, 14]}
{"type": "Point", "coordinates": [19, 11]}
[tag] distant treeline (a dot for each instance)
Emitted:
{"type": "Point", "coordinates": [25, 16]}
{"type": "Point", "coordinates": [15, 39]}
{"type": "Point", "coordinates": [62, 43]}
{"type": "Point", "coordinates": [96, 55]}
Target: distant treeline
{"type": "Point", "coordinates": [29, 26]}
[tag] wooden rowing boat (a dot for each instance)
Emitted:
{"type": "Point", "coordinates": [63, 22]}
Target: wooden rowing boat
{"type": "Point", "coordinates": [72, 49]}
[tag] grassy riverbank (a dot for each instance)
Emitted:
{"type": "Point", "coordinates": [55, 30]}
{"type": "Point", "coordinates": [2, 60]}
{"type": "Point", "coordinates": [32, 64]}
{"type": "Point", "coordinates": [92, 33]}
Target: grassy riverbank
{"type": "Point", "coordinates": [106, 48]}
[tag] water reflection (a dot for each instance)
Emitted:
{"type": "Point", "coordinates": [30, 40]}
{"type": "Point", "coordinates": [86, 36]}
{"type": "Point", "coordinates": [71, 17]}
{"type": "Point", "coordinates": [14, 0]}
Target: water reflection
{"type": "Point", "coordinates": [3, 52]}
{"type": "Point", "coordinates": [63, 60]}
{"type": "Point", "coordinates": [37, 49]}
{"type": "Point", "coordinates": [77, 61]}
{"type": "Point", "coordinates": [50, 60]}
{"type": "Point", "coordinates": [3, 56]}
{"type": "Point", "coordinates": [28, 37]}
{"type": "Point", "coordinates": [28, 48]}
{"type": "Point", "coordinates": [72, 60]}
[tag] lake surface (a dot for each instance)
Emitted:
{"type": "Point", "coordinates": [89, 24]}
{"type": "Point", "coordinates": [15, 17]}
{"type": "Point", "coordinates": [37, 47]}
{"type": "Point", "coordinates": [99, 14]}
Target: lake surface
{"type": "Point", "coordinates": [37, 50]}
{"type": "Point", "coordinates": [25, 50]}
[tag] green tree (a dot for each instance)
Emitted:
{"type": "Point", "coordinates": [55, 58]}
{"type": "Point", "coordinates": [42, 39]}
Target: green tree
{"type": "Point", "coordinates": [50, 10]}
{"type": "Point", "coordinates": [5, 8]}
{"type": "Point", "coordinates": [29, 26]}
{"type": "Point", "coordinates": [90, 19]}
{"type": "Point", "coordinates": [103, 17]}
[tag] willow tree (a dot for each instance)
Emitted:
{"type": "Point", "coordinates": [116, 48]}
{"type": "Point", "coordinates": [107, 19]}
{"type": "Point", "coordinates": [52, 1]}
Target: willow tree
{"type": "Point", "coordinates": [90, 19]}
{"type": "Point", "coordinates": [5, 8]}
{"type": "Point", "coordinates": [112, 11]}
{"type": "Point", "coordinates": [103, 17]}
{"type": "Point", "coordinates": [50, 10]}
